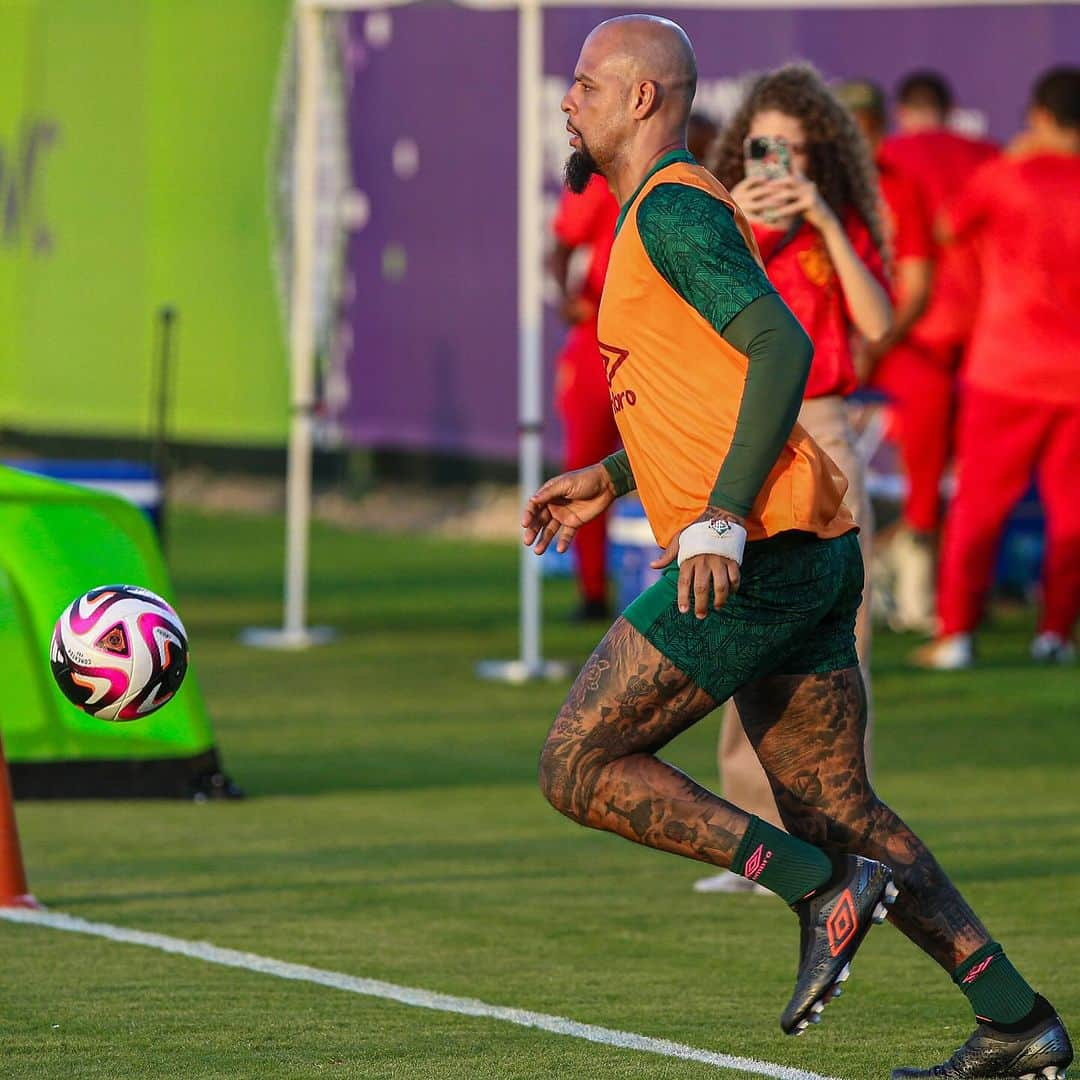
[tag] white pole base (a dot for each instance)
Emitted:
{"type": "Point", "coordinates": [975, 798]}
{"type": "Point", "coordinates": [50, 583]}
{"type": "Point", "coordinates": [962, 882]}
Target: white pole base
{"type": "Point", "coordinates": [274, 637]}
{"type": "Point", "coordinates": [519, 671]}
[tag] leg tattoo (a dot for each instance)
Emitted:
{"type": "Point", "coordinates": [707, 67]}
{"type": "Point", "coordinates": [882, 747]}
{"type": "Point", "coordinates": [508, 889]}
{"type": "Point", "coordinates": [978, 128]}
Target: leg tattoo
{"type": "Point", "coordinates": [808, 732]}
{"type": "Point", "coordinates": [599, 767]}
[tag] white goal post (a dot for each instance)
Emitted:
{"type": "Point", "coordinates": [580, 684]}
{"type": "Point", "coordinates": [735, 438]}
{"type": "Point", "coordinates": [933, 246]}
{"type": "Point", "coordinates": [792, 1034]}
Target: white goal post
{"type": "Point", "coordinates": [295, 632]}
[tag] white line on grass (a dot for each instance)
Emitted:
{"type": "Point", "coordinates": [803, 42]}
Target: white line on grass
{"type": "Point", "coordinates": [405, 995]}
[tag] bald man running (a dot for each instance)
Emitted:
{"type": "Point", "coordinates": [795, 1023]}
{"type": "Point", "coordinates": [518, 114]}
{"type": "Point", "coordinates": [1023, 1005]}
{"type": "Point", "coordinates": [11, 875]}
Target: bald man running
{"type": "Point", "coordinates": [706, 367]}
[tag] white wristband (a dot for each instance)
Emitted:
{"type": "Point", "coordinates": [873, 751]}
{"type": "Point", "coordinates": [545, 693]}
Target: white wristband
{"type": "Point", "coordinates": [717, 537]}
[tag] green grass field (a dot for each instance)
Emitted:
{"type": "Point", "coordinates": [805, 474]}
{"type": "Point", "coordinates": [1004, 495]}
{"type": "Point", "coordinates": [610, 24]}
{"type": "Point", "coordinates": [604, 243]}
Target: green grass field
{"type": "Point", "coordinates": [394, 831]}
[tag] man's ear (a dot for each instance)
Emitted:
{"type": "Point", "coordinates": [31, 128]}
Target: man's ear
{"type": "Point", "coordinates": [647, 98]}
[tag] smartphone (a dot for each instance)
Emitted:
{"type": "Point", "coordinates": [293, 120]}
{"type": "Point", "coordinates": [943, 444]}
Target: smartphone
{"type": "Point", "coordinates": [767, 157]}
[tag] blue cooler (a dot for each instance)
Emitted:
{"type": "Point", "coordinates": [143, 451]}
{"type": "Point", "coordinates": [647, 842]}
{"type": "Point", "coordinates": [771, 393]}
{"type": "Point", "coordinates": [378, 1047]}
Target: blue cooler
{"type": "Point", "coordinates": [631, 547]}
{"type": "Point", "coordinates": [132, 480]}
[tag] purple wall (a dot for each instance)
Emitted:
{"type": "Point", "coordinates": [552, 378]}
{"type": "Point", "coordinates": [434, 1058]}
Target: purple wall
{"type": "Point", "coordinates": [429, 322]}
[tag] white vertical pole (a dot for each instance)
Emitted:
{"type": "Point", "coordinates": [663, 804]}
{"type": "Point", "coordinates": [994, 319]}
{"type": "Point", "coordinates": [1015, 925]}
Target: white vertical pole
{"type": "Point", "coordinates": [530, 309]}
{"type": "Point", "coordinates": [294, 632]}
{"type": "Point", "coordinates": [301, 332]}
{"type": "Point", "coordinates": [530, 664]}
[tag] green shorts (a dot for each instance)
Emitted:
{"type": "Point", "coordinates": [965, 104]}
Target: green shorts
{"type": "Point", "coordinates": [794, 614]}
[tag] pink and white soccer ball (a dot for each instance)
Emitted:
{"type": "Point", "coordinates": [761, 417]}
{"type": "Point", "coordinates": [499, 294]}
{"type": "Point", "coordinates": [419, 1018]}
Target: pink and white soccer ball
{"type": "Point", "coordinates": [119, 652]}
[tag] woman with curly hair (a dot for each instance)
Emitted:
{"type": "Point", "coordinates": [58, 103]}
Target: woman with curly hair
{"type": "Point", "coordinates": [820, 233]}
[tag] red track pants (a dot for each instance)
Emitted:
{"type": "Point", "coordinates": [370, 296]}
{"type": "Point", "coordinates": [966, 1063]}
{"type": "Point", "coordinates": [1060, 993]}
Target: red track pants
{"type": "Point", "coordinates": [1001, 441]}
{"type": "Point", "coordinates": [584, 403]}
{"type": "Point", "coordinates": [922, 400]}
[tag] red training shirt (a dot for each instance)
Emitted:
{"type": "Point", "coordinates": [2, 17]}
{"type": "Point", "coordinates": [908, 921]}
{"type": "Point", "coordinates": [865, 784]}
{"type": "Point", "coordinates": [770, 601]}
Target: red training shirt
{"type": "Point", "coordinates": [803, 275]}
{"type": "Point", "coordinates": [939, 163]}
{"type": "Point", "coordinates": [1024, 215]}
{"type": "Point", "coordinates": [908, 221]}
{"type": "Point", "coordinates": [589, 218]}
{"type": "Point", "coordinates": [911, 236]}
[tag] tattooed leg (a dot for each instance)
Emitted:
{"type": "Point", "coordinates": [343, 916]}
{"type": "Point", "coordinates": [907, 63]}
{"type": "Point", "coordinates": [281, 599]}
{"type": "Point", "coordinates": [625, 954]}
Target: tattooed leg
{"type": "Point", "coordinates": [808, 733]}
{"type": "Point", "coordinates": [599, 767]}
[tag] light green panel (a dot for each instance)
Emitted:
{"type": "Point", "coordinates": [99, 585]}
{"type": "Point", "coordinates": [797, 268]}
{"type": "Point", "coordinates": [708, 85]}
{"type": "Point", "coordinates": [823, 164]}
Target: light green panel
{"type": "Point", "coordinates": [154, 192]}
{"type": "Point", "coordinates": [31, 706]}
{"type": "Point", "coordinates": [209, 153]}
{"type": "Point", "coordinates": [41, 572]}
{"type": "Point", "coordinates": [82, 343]}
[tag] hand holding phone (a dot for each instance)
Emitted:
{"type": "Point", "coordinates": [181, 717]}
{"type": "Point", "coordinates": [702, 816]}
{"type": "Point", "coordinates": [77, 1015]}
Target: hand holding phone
{"type": "Point", "coordinates": [766, 158]}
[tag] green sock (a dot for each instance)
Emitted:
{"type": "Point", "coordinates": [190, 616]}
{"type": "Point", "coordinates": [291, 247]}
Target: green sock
{"type": "Point", "coordinates": [789, 867]}
{"type": "Point", "coordinates": [997, 991]}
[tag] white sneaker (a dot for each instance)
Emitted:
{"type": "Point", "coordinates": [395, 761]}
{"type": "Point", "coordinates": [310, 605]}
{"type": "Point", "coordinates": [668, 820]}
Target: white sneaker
{"type": "Point", "coordinates": [727, 882]}
{"type": "Point", "coordinates": [913, 589]}
{"type": "Point", "coordinates": [1051, 648]}
{"type": "Point", "coordinates": [953, 653]}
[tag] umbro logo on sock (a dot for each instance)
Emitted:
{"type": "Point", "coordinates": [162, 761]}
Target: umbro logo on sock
{"type": "Point", "coordinates": [976, 971]}
{"type": "Point", "coordinates": [757, 862]}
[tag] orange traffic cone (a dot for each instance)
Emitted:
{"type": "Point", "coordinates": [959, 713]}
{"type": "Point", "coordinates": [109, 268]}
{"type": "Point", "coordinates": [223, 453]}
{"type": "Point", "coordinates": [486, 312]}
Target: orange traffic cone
{"type": "Point", "coordinates": [14, 891]}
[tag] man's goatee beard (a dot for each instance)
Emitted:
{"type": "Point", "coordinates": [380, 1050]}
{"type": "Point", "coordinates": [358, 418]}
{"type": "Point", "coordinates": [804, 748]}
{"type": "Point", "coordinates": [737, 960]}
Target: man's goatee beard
{"type": "Point", "coordinates": [579, 169]}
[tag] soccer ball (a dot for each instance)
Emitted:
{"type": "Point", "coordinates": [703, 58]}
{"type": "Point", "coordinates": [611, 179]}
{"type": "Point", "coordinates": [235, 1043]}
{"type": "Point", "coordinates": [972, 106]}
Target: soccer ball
{"type": "Point", "coordinates": [119, 652]}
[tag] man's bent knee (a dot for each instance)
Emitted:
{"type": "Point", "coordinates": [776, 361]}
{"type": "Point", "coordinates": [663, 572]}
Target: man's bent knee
{"type": "Point", "coordinates": [547, 774]}
{"type": "Point", "coordinates": [558, 776]}
{"type": "Point", "coordinates": [570, 769]}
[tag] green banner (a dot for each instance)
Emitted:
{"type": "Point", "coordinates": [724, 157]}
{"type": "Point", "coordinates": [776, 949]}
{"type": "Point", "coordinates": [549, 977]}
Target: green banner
{"type": "Point", "coordinates": [135, 173]}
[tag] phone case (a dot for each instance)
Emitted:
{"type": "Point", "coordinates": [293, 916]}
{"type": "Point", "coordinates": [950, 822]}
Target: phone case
{"type": "Point", "coordinates": [767, 156]}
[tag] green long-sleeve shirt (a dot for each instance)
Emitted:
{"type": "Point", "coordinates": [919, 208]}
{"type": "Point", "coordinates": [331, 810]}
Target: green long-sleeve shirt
{"type": "Point", "coordinates": [694, 243]}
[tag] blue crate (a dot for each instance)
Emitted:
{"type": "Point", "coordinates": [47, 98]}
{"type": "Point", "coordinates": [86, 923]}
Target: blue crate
{"type": "Point", "coordinates": [631, 547]}
{"type": "Point", "coordinates": [1023, 545]}
{"type": "Point", "coordinates": [558, 564]}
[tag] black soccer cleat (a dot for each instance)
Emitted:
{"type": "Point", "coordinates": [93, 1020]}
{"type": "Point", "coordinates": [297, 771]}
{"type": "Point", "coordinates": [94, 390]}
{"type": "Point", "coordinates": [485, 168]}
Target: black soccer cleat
{"type": "Point", "coordinates": [834, 922]}
{"type": "Point", "coordinates": [1042, 1052]}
